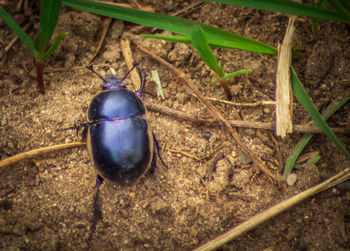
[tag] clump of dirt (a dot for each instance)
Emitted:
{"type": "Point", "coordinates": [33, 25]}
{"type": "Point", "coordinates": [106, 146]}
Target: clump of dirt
{"type": "Point", "coordinates": [209, 187]}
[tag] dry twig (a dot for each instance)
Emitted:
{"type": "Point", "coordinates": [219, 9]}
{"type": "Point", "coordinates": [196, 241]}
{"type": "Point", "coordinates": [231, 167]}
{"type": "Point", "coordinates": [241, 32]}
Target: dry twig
{"type": "Point", "coordinates": [237, 123]}
{"type": "Point", "coordinates": [37, 152]}
{"type": "Point", "coordinates": [284, 99]}
{"type": "Point", "coordinates": [273, 211]}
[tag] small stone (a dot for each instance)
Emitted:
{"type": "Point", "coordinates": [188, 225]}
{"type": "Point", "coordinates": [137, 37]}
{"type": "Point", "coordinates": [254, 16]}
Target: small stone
{"type": "Point", "coordinates": [243, 159]}
{"type": "Point", "coordinates": [267, 110]}
{"type": "Point", "coordinates": [291, 179]}
{"type": "Point", "coordinates": [207, 135]}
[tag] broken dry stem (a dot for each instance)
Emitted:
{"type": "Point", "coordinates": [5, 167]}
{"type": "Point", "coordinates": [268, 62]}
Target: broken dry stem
{"type": "Point", "coordinates": [284, 96]}
{"type": "Point", "coordinates": [37, 152]}
{"type": "Point", "coordinates": [273, 211]}
{"type": "Point", "coordinates": [236, 123]}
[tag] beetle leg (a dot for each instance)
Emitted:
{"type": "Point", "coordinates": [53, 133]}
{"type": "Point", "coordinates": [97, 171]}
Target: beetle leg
{"type": "Point", "coordinates": [77, 127]}
{"type": "Point", "coordinates": [158, 149]}
{"type": "Point", "coordinates": [84, 133]}
{"type": "Point", "coordinates": [154, 163]}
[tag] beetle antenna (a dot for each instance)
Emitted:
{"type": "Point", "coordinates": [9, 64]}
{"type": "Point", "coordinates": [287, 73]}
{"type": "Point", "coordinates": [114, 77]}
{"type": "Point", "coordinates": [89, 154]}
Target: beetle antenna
{"type": "Point", "coordinates": [143, 77]}
{"type": "Point", "coordinates": [126, 75]}
{"type": "Point", "coordinates": [91, 68]}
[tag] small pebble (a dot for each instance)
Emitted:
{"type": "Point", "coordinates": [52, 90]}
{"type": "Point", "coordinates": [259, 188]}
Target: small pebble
{"type": "Point", "coordinates": [291, 179]}
{"type": "Point", "coordinates": [207, 135]}
{"type": "Point", "coordinates": [243, 159]}
{"type": "Point", "coordinates": [267, 110]}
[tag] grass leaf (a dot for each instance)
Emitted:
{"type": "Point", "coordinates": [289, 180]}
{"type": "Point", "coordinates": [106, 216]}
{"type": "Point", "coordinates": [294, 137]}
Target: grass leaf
{"type": "Point", "coordinates": [290, 7]}
{"type": "Point", "coordinates": [306, 102]}
{"type": "Point", "coordinates": [49, 13]}
{"type": "Point", "coordinates": [54, 46]}
{"type": "Point", "coordinates": [340, 8]}
{"type": "Point", "coordinates": [175, 39]}
{"type": "Point", "coordinates": [290, 161]}
{"type": "Point", "coordinates": [27, 41]}
{"type": "Point", "coordinates": [236, 73]}
{"type": "Point", "coordinates": [200, 43]}
{"type": "Point", "coordinates": [216, 37]}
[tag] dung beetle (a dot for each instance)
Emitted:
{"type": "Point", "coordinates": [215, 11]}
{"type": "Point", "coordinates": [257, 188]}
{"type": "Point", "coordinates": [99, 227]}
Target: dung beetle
{"type": "Point", "coordinates": [119, 140]}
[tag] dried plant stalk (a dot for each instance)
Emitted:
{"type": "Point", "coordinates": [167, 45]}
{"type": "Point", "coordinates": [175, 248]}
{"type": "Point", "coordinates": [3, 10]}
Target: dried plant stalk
{"type": "Point", "coordinates": [283, 86]}
{"type": "Point", "coordinates": [37, 152]}
{"type": "Point", "coordinates": [273, 211]}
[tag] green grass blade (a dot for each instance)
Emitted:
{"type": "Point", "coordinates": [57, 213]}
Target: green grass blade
{"type": "Point", "coordinates": [236, 74]}
{"type": "Point", "coordinates": [175, 39]}
{"type": "Point", "coordinates": [216, 37]}
{"type": "Point", "coordinates": [49, 13]}
{"type": "Point", "coordinates": [200, 43]}
{"type": "Point", "coordinates": [54, 46]}
{"type": "Point", "coordinates": [155, 77]}
{"type": "Point", "coordinates": [306, 102]}
{"type": "Point", "coordinates": [290, 161]}
{"type": "Point", "coordinates": [27, 41]}
{"type": "Point", "coordinates": [340, 8]}
{"type": "Point", "coordinates": [290, 7]}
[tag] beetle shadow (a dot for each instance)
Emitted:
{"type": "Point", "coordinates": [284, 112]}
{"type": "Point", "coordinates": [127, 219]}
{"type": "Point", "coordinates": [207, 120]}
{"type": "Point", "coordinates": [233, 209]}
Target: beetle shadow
{"type": "Point", "coordinates": [97, 212]}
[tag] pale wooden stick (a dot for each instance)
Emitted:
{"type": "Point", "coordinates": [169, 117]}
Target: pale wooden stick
{"type": "Point", "coordinates": [36, 152]}
{"type": "Point", "coordinates": [283, 87]}
{"type": "Point", "coordinates": [258, 103]}
{"type": "Point", "coordinates": [273, 211]}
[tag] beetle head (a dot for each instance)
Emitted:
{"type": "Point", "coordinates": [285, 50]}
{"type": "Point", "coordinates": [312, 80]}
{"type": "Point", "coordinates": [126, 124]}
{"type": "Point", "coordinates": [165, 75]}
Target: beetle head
{"type": "Point", "coordinates": [112, 81]}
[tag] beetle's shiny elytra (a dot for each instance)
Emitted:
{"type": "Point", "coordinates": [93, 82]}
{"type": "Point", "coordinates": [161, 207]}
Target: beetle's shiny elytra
{"type": "Point", "coordinates": [120, 142]}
